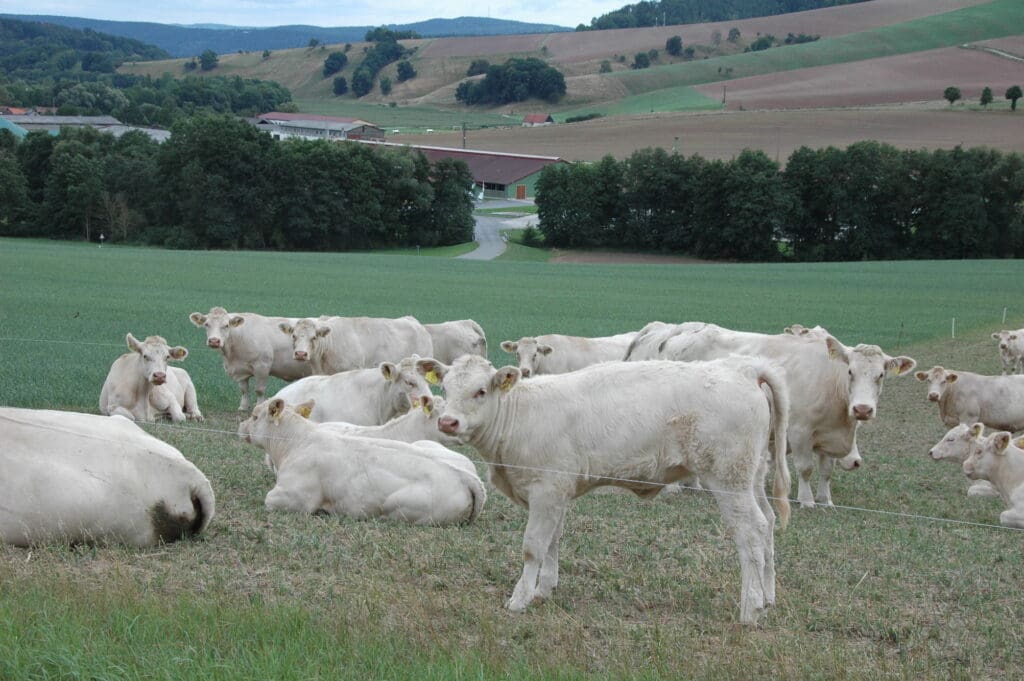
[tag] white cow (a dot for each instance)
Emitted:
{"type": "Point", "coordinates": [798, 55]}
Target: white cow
{"type": "Point", "coordinates": [1001, 462]}
{"type": "Point", "coordinates": [833, 389]}
{"type": "Point", "coordinates": [140, 386]}
{"type": "Point", "coordinates": [415, 425]}
{"type": "Point", "coordinates": [557, 354]}
{"type": "Point", "coordinates": [650, 342]}
{"type": "Point", "coordinates": [251, 346]}
{"type": "Point", "coordinates": [365, 397]}
{"type": "Point", "coordinates": [84, 478]}
{"type": "Point", "coordinates": [965, 397]}
{"type": "Point", "coordinates": [321, 469]}
{"type": "Point", "coordinates": [1011, 350]}
{"type": "Point", "coordinates": [454, 339]}
{"type": "Point", "coordinates": [801, 330]}
{"type": "Point", "coordinates": [333, 344]}
{"type": "Point", "coordinates": [956, 446]}
{"type": "Point", "coordinates": [639, 426]}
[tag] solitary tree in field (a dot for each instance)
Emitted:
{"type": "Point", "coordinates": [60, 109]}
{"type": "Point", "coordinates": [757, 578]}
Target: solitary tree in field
{"type": "Point", "coordinates": [986, 96]}
{"type": "Point", "coordinates": [641, 60]}
{"type": "Point", "coordinates": [1013, 94]}
{"type": "Point", "coordinates": [340, 85]}
{"type": "Point", "coordinates": [952, 94]}
{"type": "Point", "coordinates": [208, 60]}
{"type": "Point", "coordinates": [734, 34]}
{"type": "Point", "coordinates": [674, 46]}
{"type": "Point", "coordinates": [266, 54]}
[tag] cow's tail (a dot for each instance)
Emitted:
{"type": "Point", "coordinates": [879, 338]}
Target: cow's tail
{"type": "Point", "coordinates": [169, 526]}
{"type": "Point", "coordinates": [480, 344]}
{"type": "Point", "coordinates": [476, 490]}
{"type": "Point", "coordinates": [771, 379]}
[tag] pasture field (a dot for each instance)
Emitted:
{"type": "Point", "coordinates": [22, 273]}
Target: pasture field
{"type": "Point", "coordinates": [907, 578]}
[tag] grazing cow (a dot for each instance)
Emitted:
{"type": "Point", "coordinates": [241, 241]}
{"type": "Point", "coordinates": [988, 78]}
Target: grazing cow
{"type": "Point", "coordinates": [833, 387]}
{"type": "Point", "coordinates": [252, 346]}
{"type": "Point", "coordinates": [364, 397]}
{"type": "Point", "coordinates": [419, 423]}
{"type": "Point", "coordinates": [140, 386]}
{"type": "Point", "coordinates": [333, 344]}
{"type": "Point", "coordinates": [1001, 462]}
{"type": "Point", "coordinates": [964, 397]}
{"type": "Point", "coordinates": [321, 469]}
{"type": "Point", "coordinates": [454, 339]}
{"type": "Point", "coordinates": [558, 354]}
{"type": "Point", "coordinates": [84, 478]}
{"type": "Point", "coordinates": [639, 426]}
{"type": "Point", "coordinates": [956, 446]}
{"type": "Point", "coordinates": [1011, 350]}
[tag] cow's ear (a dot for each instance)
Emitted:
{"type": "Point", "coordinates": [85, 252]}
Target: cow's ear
{"type": "Point", "coordinates": [133, 343]}
{"type": "Point", "coordinates": [322, 331]}
{"type": "Point", "coordinates": [426, 404]}
{"type": "Point", "coordinates": [995, 336]}
{"type": "Point", "coordinates": [505, 378]}
{"type": "Point", "coordinates": [275, 407]}
{"type": "Point", "coordinates": [900, 365]}
{"type": "Point", "coordinates": [509, 347]}
{"type": "Point", "coordinates": [921, 376]}
{"type": "Point", "coordinates": [1013, 336]}
{"type": "Point", "coordinates": [178, 353]}
{"type": "Point", "coordinates": [306, 408]}
{"type": "Point", "coordinates": [976, 429]}
{"type": "Point", "coordinates": [197, 318]}
{"type": "Point", "coordinates": [836, 350]}
{"type": "Point", "coordinates": [432, 370]}
{"type": "Point", "coordinates": [389, 371]}
{"type": "Point", "coordinates": [1000, 441]}
{"type": "Point", "coordinates": [237, 321]}
{"type": "Point", "coordinates": [286, 328]}
{"type": "Point", "coordinates": [544, 349]}
{"type": "Point", "coordinates": [951, 377]}
{"type": "Point", "coordinates": [789, 330]}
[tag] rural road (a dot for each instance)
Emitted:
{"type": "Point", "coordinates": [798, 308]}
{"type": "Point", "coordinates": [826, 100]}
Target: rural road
{"type": "Point", "coordinates": [487, 232]}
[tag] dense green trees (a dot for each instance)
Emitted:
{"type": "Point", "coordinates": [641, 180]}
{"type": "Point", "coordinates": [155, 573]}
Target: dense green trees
{"type": "Point", "coordinates": [514, 81]}
{"type": "Point", "coordinates": [1013, 93]}
{"type": "Point", "coordinates": [870, 201]}
{"type": "Point", "coordinates": [671, 12]}
{"type": "Point", "coordinates": [218, 182]}
{"type": "Point", "coordinates": [334, 62]}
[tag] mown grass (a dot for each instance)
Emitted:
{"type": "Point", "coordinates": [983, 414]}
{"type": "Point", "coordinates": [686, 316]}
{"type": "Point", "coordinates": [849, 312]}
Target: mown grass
{"type": "Point", "coordinates": [648, 590]}
{"type": "Point", "coordinates": [517, 251]}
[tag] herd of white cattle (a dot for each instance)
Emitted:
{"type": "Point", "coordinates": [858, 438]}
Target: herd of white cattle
{"type": "Point", "coordinates": [358, 431]}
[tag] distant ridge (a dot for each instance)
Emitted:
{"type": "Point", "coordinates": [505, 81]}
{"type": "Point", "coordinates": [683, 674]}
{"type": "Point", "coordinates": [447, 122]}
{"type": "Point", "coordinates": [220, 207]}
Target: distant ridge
{"type": "Point", "coordinates": [187, 41]}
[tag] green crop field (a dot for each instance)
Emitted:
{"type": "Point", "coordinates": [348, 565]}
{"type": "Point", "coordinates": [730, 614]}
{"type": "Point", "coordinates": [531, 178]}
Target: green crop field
{"type": "Point", "coordinates": [907, 578]}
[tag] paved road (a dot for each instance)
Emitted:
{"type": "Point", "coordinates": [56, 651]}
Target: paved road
{"type": "Point", "coordinates": [486, 233]}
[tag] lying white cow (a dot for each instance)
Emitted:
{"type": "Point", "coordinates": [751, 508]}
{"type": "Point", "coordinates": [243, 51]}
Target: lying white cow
{"type": "Point", "coordinates": [140, 386]}
{"type": "Point", "coordinates": [956, 446]}
{"type": "Point", "coordinates": [553, 438]}
{"type": "Point", "coordinates": [557, 354]}
{"type": "Point", "coordinates": [415, 425]}
{"type": "Point", "coordinates": [333, 344]}
{"type": "Point", "coordinates": [365, 397]}
{"type": "Point", "coordinates": [83, 478]}
{"type": "Point", "coordinates": [964, 397]}
{"type": "Point", "coordinates": [321, 469]}
{"type": "Point", "coordinates": [833, 389]}
{"type": "Point", "coordinates": [454, 339]}
{"type": "Point", "coordinates": [252, 346]}
{"type": "Point", "coordinates": [1011, 350]}
{"type": "Point", "coordinates": [1001, 462]}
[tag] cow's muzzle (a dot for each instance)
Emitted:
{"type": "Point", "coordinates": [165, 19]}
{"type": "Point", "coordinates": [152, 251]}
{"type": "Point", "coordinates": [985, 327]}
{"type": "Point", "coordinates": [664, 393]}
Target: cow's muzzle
{"type": "Point", "coordinates": [301, 355]}
{"type": "Point", "coordinates": [863, 412]}
{"type": "Point", "coordinates": [933, 397]}
{"type": "Point", "coordinates": [448, 425]}
{"type": "Point", "coordinates": [214, 343]}
{"type": "Point", "coordinates": [159, 378]}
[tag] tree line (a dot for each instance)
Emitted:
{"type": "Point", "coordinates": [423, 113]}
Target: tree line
{"type": "Point", "coordinates": [869, 201]}
{"type": "Point", "coordinates": [218, 182]}
{"type": "Point", "coordinates": [672, 12]}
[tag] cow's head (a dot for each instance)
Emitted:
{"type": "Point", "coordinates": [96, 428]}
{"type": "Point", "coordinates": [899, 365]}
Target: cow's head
{"type": "Point", "coordinates": [429, 409]}
{"type": "Point", "coordinates": [267, 419]}
{"type": "Point", "coordinates": [472, 390]}
{"type": "Point", "coordinates": [406, 384]}
{"type": "Point", "coordinates": [866, 367]}
{"type": "Point", "coordinates": [989, 456]}
{"type": "Point", "coordinates": [1005, 338]}
{"type": "Point", "coordinates": [305, 334]}
{"type": "Point", "coordinates": [155, 353]}
{"type": "Point", "coordinates": [529, 353]}
{"type": "Point", "coordinates": [218, 324]}
{"type": "Point", "coordinates": [938, 380]}
{"type": "Point", "coordinates": [958, 443]}
{"type": "Point", "coordinates": [806, 332]}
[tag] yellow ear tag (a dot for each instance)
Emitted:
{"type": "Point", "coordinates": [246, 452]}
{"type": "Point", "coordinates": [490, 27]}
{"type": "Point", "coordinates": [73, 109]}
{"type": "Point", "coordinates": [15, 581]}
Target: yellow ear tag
{"type": "Point", "coordinates": [432, 378]}
{"type": "Point", "coordinates": [426, 407]}
{"type": "Point", "coordinates": [898, 369]}
{"type": "Point", "coordinates": [506, 385]}
{"type": "Point", "coordinates": [305, 411]}
{"type": "Point", "coordinates": [1019, 443]}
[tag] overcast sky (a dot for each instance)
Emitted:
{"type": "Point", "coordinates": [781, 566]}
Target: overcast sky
{"type": "Point", "coordinates": [318, 12]}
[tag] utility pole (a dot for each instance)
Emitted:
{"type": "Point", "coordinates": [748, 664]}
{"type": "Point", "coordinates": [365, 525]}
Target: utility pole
{"type": "Point", "coordinates": [463, 134]}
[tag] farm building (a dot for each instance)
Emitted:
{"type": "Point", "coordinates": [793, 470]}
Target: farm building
{"type": "Point", "coordinates": [535, 119]}
{"type": "Point", "coordinates": [500, 175]}
{"type": "Point", "coordinates": [52, 124]}
{"type": "Point", "coordinates": [311, 126]}
{"type": "Point", "coordinates": [17, 130]}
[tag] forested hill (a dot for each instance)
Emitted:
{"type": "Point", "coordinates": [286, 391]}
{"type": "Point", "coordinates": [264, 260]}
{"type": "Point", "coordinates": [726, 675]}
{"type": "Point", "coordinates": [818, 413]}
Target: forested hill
{"type": "Point", "coordinates": [672, 12]}
{"type": "Point", "coordinates": [189, 41]}
{"type": "Point", "coordinates": [29, 50]}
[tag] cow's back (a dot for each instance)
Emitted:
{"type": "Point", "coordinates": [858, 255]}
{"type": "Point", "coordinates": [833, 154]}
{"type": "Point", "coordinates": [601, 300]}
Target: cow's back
{"type": "Point", "coordinates": [363, 342]}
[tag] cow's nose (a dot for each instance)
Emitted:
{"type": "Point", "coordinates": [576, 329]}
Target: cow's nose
{"type": "Point", "coordinates": [301, 355]}
{"type": "Point", "coordinates": [525, 373]}
{"type": "Point", "coordinates": [159, 377]}
{"type": "Point", "coordinates": [862, 412]}
{"type": "Point", "coordinates": [448, 425]}
{"type": "Point", "coordinates": [213, 342]}
{"type": "Point", "coordinates": [933, 397]}
{"type": "Point", "coordinates": [854, 465]}
{"type": "Point", "coordinates": [931, 453]}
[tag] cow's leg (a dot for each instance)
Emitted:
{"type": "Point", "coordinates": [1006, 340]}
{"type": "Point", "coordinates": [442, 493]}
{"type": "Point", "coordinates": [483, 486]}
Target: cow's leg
{"type": "Point", "coordinates": [825, 466]}
{"type": "Point", "coordinates": [260, 377]}
{"type": "Point", "coordinates": [749, 527]}
{"type": "Point", "coordinates": [982, 488]}
{"type": "Point", "coordinates": [769, 538]}
{"type": "Point", "coordinates": [118, 410]}
{"type": "Point", "coordinates": [547, 511]}
{"type": "Point", "coordinates": [1012, 517]}
{"type": "Point", "coordinates": [285, 499]}
{"type": "Point", "coordinates": [803, 460]}
{"type": "Point", "coordinates": [164, 402]}
{"type": "Point", "coordinates": [549, 567]}
{"type": "Point", "coordinates": [243, 388]}
{"type": "Point", "coordinates": [192, 403]}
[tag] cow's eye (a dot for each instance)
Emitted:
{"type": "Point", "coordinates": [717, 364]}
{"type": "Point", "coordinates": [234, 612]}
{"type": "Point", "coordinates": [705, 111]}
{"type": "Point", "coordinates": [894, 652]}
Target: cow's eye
{"type": "Point", "coordinates": [850, 372]}
{"type": "Point", "coordinates": [480, 393]}
{"type": "Point", "coordinates": [880, 376]}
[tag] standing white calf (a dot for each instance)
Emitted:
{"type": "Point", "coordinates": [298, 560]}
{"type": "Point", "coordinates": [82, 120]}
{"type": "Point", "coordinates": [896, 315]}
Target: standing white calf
{"type": "Point", "coordinates": [1011, 350]}
{"type": "Point", "coordinates": [81, 478]}
{"type": "Point", "coordinates": [457, 338]}
{"type": "Point", "coordinates": [1001, 462]}
{"type": "Point", "coordinates": [140, 386]}
{"type": "Point", "coordinates": [965, 397]}
{"type": "Point", "coordinates": [635, 425]}
{"type": "Point", "coordinates": [956, 446]}
{"type": "Point", "coordinates": [320, 469]}
{"type": "Point", "coordinates": [557, 354]}
{"type": "Point", "coordinates": [365, 397]}
{"type": "Point", "coordinates": [333, 344]}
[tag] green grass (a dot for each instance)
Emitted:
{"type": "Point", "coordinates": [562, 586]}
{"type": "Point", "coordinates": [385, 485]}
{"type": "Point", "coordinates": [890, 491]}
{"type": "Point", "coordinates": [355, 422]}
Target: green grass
{"type": "Point", "coordinates": [526, 209]}
{"type": "Point", "coordinates": [517, 251]}
{"type": "Point", "coordinates": [683, 98]}
{"type": "Point", "coordinates": [648, 589]}
{"type": "Point", "coordinates": [407, 119]}
{"type": "Point", "coordinates": [436, 251]}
